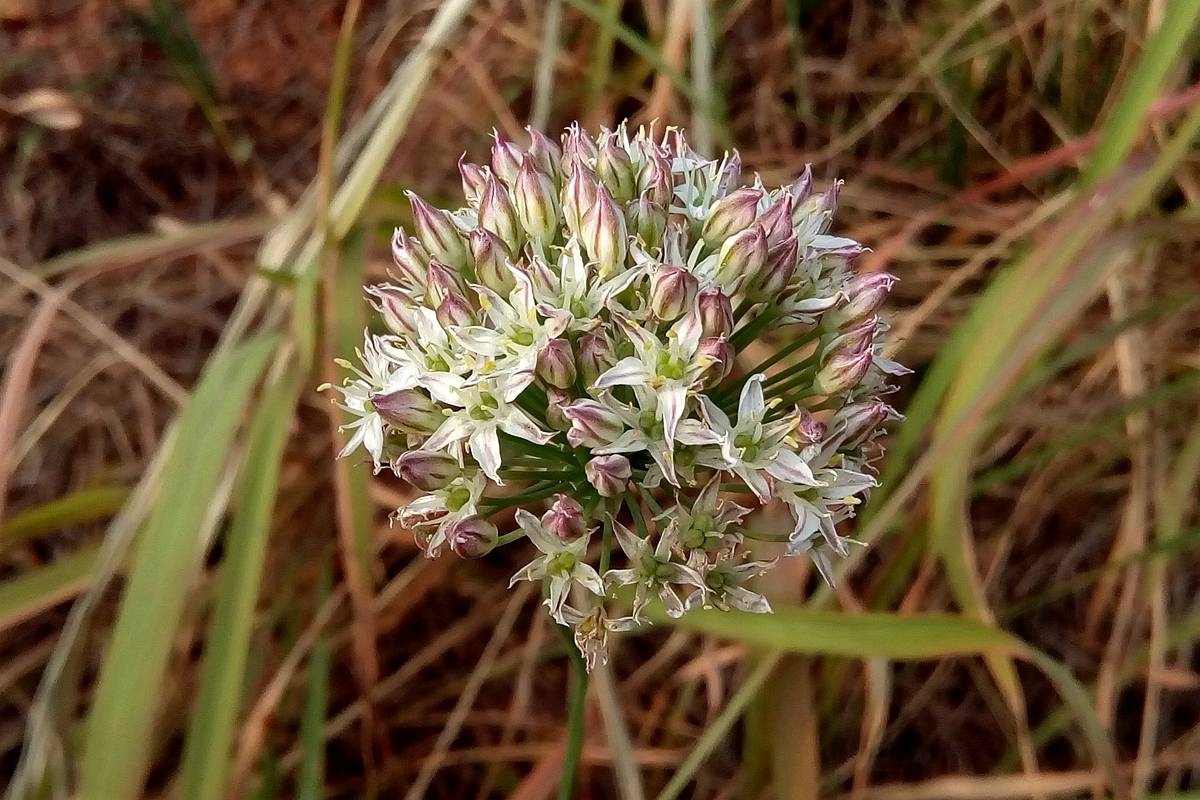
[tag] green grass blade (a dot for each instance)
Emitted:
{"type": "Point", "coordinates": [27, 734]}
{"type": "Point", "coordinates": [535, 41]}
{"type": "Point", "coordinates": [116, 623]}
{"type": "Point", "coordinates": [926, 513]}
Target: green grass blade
{"type": "Point", "coordinates": [85, 505]}
{"type": "Point", "coordinates": [35, 590]}
{"type": "Point", "coordinates": [210, 733]}
{"type": "Point", "coordinates": [310, 783]}
{"type": "Point", "coordinates": [118, 732]}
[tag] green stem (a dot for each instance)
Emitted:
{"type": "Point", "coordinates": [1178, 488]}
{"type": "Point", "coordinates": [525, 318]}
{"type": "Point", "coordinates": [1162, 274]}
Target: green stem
{"type": "Point", "coordinates": [576, 698]}
{"type": "Point", "coordinates": [606, 542]}
{"type": "Point", "coordinates": [734, 389]}
{"type": "Point", "coordinates": [750, 330]}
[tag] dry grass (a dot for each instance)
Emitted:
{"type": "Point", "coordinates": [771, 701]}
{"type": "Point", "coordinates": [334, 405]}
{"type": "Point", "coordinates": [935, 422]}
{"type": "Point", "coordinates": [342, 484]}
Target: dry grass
{"type": "Point", "coordinates": [958, 126]}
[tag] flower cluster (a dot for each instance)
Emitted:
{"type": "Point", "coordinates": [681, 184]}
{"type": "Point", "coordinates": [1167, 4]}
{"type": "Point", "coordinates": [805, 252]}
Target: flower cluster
{"type": "Point", "coordinates": [571, 337]}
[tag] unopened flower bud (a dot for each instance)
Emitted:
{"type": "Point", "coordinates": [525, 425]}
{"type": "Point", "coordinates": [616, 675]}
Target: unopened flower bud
{"type": "Point", "coordinates": [741, 259]}
{"type": "Point", "coordinates": [411, 259]}
{"type": "Point", "coordinates": [854, 340]}
{"type": "Point", "coordinates": [556, 400]}
{"type": "Point", "coordinates": [776, 221]}
{"type": "Point", "coordinates": [491, 261]}
{"type": "Point", "coordinates": [592, 425]}
{"type": "Point", "coordinates": [842, 371]}
{"type": "Point", "coordinates": [578, 196]}
{"type": "Point", "coordinates": [672, 292]}
{"type": "Point", "coordinates": [443, 282]}
{"type": "Point", "coordinates": [425, 470]}
{"type": "Point", "coordinates": [439, 234]}
{"type": "Point", "coordinates": [546, 153]}
{"type": "Point", "coordinates": [608, 474]}
{"type": "Point", "coordinates": [718, 352]}
{"type": "Point", "coordinates": [858, 421]}
{"type": "Point", "coordinates": [866, 293]}
{"type": "Point", "coordinates": [565, 519]}
{"type": "Point", "coordinates": [799, 191]}
{"type": "Point", "coordinates": [716, 313]}
{"type": "Point", "coordinates": [578, 146]}
{"type": "Point", "coordinates": [604, 235]}
{"type": "Point", "coordinates": [595, 356]}
{"type": "Point", "coordinates": [497, 214]}
{"type": "Point", "coordinates": [647, 221]}
{"type": "Point", "coordinates": [556, 364]}
{"type": "Point", "coordinates": [537, 202]}
{"type": "Point", "coordinates": [474, 177]}
{"type": "Point", "coordinates": [655, 181]}
{"type": "Point", "coordinates": [809, 428]}
{"type": "Point", "coordinates": [398, 309]}
{"type": "Point", "coordinates": [408, 410]}
{"type": "Point", "coordinates": [506, 158]}
{"type": "Point", "coordinates": [473, 537]}
{"type": "Point", "coordinates": [778, 271]}
{"type": "Point", "coordinates": [615, 168]}
{"type": "Point", "coordinates": [731, 214]}
{"type": "Point", "coordinates": [730, 174]}
{"type": "Point", "coordinates": [454, 311]}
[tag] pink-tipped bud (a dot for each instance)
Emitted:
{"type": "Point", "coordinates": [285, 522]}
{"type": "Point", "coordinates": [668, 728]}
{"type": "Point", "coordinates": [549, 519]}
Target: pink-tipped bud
{"type": "Point", "coordinates": [799, 191]}
{"type": "Point", "coordinates": [647, 221]}
{"type": "Point", "coordinates": [842, 371]}
{"type": "Point", "coordinates": [716, 313]}
{"type": "Point", "coordinates": [858, 421]}
{"type": "Point", "coordinates": [556, 400]}
{"type": "Point", "coordinates": [578, 196]}
{"type": "Point", "coordinates": [453, 310]}
{"type": "Point", "coordinates": [866, 293]}
{"type": "Point", "coordinates": [731, 214]}
{"type": "Point", "coordinates": [854, 340]}
{"type": "Point", "coordinates": [491, 261]}
{"type": "Point", "coordinates": [408, 410]}
{"type": "Point", "coordinates": [443, 282]}
{"type": "Point", "coordinates": [778, 271]}
{"type": "Point", "coordinates": [809, 428]}
{"type": "Point", "coordinates": [608, 474]}
{"type": "Point", "coordinates": [497, 214]}
{"type": "Point", "coordinates": [426, 470]}
{"type": "Point", "coordinates": [718, 352]}
{"type": "Point", "coordinates": [439, 234]}
{"type": "Point", "coordinates": [473, 537]}
{"type": "Point", "coordinates": [565, 518]}
{"type": "Point", "coordinates": [776, 221]}
{"type": "Point", "coordinates": [537, 203]}
{"type": "Point", "coordinates": [741, 259]}
{"type": "Point", "coordinates": [556, 364]}
{"type": "Point", "coordinates": [604, 234]}
{"type": "Point", "coordinates": [411, 260]}
{"type": "Point", "coordinates": [578, 147]}
{"type": "Point", "coordinates": [506, 158]}
{"type": "Point", "coordinates": [592, 425]}
{"type": "Point", "coordinates": [672, 292]}
{"type": "Point", "coordinates": [730, 174]}
{"type": "Point", "coordinates": [474, 178]}
{"type": "Point", "coordinates": [398, 309]}
{"type": "Point", "coordinates": [655, 181]}
{"type": "Point", "coordinates": [615, 168]}
{"type": "Point", "coordinates": [596, 356]}
{"type": "Point", "coordinates": [546, 153]}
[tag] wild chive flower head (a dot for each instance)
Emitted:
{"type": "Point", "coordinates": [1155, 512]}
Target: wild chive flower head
{"type": "Point", "coordinates": [572, 343]}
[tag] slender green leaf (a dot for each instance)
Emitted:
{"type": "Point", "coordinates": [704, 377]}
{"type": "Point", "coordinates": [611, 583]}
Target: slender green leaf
{"type": "Point", "coordinates": [119, 729]}
{"type": "Point", "coordinates": [310, 783]}
{"type": "Point", "coordinates": [39, 588]}
{"type": "Point", "coordinates": [85, 505]}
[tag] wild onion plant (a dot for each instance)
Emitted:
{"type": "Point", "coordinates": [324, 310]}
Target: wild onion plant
{"type": "Point", "coordinates": [568, 343]}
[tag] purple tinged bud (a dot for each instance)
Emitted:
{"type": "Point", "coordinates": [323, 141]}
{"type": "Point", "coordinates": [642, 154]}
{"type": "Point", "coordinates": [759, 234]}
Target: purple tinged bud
{"type": "Point", "coordinates": [565, 519]}
{"type": "Point", "coordinates": [425, 470]}
{"type": "Point", "coordinates": [719, 353]}
{"type": "Point", "coordinates": [411, 259]}
{"type": "Point", "coordinates": [556, 364]}
{"type": "Point", "coordinates": [496, 214]}
{"type": "Point", "coordinates": [578, 196]}
{"type": "Point", "coordinates": [473, 537]}
{"type": "Point", "coordinates": [443, 282]}
{"type": "Point", "coordinates": [778, 271]}
{"type": "Point", "coordinates": [809, 428]}
{"type": "Point", "coordinates": [408, 410]}
{"type": "Point", "coordinates": [506, 158]}
{"type": "Point", "coordinates": [615, 168]}
{"type": "Point", "coordinates": [866, 293]}
{"type": "Point", "coordinates": [439, 234]}
{"type": "Point", "coordinates": [604, 234]}
{"type": "Point", "coordinates": [608, 474]}
{"type": "Point", "coordinates": [731, 214]}
{"type": "Point", "coordinates": [842, 371]}
{"type": "Point", "coordinates": [655, 182]}
{"type": "Point", "coordinates": [776, 222]}
{"type": "Point", "coordinates": [855, 340]}
{"type": "Point", "coordinates": [592, 425]}
{"type": "Point", "coordinates": [454, 311]}
{"type": "Point", "coordinates": [672, 292]}
{"type": "Point", "coordinates": [537, 203]}
{"type": "Point", "coordinates": [398, 309]}
{"type": "Point", "coordinates": [556, 400]}
{"type": "Point", "coordinates": [474, 177]}
{"type": "Point", "coordinates": [741, 259]}
{"type": "Point", "coordinates": [491, 261]}
{"type": "Point", "coordinates": [731, 174]}
{"type": "Point", "coordinates": [647, 221]}
{"type": "Point", "coordinates": [546, 153]}
{"type": "Point", "coordinates": [595, 356]}
{"type": "Point", "coordinates": [859, 421]}
{"type": "Point", "coordinates": [800, 189]}
{"type": "Point", "coordinates": [716, 313]}
{"type": "Point", "coordinates": [578, 148]}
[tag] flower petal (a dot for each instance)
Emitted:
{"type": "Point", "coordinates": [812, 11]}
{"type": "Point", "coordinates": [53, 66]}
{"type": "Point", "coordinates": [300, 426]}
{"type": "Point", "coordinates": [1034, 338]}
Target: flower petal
{"type": "Point", "coordinates": [626, 372]}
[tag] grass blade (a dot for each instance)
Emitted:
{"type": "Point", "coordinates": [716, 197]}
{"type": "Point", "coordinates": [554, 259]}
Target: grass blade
{"type": "Point", "coordinates": [85, 505]}
{"type": "Point", "coordinates": [35, 590]}
{"type": "Point", "coordinates": [118, 731]}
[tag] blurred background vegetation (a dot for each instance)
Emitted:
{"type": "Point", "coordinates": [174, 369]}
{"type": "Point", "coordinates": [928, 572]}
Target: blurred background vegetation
{"type": "Point", "coordinates": [196, 602]}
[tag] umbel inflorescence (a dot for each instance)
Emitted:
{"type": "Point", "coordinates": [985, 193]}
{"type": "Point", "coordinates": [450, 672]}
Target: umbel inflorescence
{"type": "Point", "coordinates": [570, 339]}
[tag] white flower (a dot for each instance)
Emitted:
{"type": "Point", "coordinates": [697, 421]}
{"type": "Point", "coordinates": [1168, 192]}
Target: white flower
{"type": "Point", "coordinates": [562, 562]}
{"type": "Point", "coordinates": [724, 580]}
{"type": "Point", "coordinates": [578, 289]}
{"type": "Point", "coordinates": [652, 571]}
{"type": "Point", "coordinates": [442, 508]}
{"type": "Point", "coordinates": [591, 632]}
{"type": "Point", "coordinates": [703, 524]}
{"type": "Point", "coordinates": [378, 376]}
